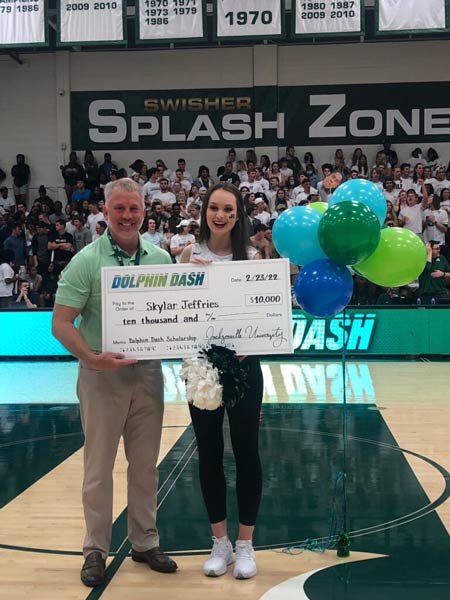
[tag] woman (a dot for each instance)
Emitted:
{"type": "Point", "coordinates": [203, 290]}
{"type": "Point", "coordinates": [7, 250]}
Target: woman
{"type": "Point", "coordinates": [308, 159]}
{"type": "Point", "coordinates": [391, 218]}
{"type": "Point", "coordinates": [224, 237]}
{"type": "Point", "coordinates": [362, 166]}
{"type": "Point", "coordinates": [264, 163]}
{"type": "Point", "coordinates": [357, 153]}
{"type": "Point", "coordinates": [339, 161]}
{"type": "Point", "coordinates": [274, 171]}
{"type": "Point", "coordinates": [203, 179]}
{"type": "Point", "coordinates": [242, 171]}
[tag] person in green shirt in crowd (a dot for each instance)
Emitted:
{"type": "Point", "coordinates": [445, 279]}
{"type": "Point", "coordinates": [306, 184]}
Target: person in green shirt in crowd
{"type": "Point", "coordinates": [432, 281]}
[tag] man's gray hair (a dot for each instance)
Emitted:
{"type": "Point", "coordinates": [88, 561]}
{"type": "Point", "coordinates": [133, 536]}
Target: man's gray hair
{"type": "Point", "coordinates": [125, 185]}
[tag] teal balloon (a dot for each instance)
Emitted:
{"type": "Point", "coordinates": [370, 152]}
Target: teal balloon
{"type": "Point", "coordinates": [295, 235]}
{"type": "Point", "coordinates": [361, 190]}
{"type": "Point", "coordinates": [349, 232]}
{"type": "Point", "coordinates": [399, 258]}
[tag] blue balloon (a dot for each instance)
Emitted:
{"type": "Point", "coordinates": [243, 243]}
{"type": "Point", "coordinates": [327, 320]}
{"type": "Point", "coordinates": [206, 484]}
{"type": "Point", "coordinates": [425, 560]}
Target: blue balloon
{"type": "Point", "coordinates": [295, 235]}
{"type": "Point", "coordinates": [323, 288]}
{"type": "Point", "coordinates": [362, 191]}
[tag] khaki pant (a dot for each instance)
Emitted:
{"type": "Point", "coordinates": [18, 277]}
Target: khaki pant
{"type": "Point", "coordinates": [126, 402]}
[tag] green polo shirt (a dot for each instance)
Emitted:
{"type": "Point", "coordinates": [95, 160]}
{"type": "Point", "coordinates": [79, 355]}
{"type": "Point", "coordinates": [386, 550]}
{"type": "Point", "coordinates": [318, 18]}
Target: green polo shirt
{"type": "Point", "coordinates": [80, 283]}
{"type": "Point", "coordinates": [431, 285]}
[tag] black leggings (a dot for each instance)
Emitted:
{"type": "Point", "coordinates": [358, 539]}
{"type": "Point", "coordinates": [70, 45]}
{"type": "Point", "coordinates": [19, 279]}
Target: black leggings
{"type": "Point", "coordinates": [244, 427]}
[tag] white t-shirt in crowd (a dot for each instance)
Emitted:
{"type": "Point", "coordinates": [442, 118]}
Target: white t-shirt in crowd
{"type": "Point", "coordinates": [412, 216]}
{"type": "Point", "coordinates": [254, 186]}
{"type": "Point", "coordinates": [432, 232]}
{"type": "Point", "coordinates": [180, 240]}
{"type": "Point", "coordinates": [157, 238]}
{"type": "Point", "coordinates": [150, 188]}
{"type": "Point", "coordinates": [165, 197]}
{"type": "Point", "coordinates": [92, 221]}
{"type": "Point", "coordinates": [6, 289]}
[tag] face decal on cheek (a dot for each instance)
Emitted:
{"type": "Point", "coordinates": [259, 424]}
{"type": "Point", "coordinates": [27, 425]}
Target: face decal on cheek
{"type": "Point", "coordinates": [232, 217]}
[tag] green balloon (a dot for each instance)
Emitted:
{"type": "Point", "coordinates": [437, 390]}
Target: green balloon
{"type": "Point", "coordinates": [349, 232]}
{"type": "Point", "coordinates": [399, 258]}
{"type": "Point", "coordinates": [320, 206]}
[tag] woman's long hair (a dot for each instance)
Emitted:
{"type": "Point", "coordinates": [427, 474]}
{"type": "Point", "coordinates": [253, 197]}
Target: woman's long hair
{"type": "Point", "coordinates": [239, 236]}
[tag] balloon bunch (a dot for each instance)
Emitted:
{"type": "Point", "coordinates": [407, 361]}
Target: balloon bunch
{"type": "Point", "coordinates": [327, 239]}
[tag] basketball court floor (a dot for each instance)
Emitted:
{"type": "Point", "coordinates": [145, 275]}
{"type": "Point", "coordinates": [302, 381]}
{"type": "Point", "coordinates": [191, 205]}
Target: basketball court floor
{"type": "Point", "coordinates": [397, 464]}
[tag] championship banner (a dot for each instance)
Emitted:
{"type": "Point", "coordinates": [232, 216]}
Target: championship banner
{"type": "Point", "coordinates": [329, 17]}
{"type": "Point", "coordinates": [91, 22]}
{"type": "Point", "coordinates": [23, 23]}
{"type": "Point", "coordinates": [170, 20]}
{"type": "Point", "coordinates": [411, 16]}
{"type": "Point", "coordinates": [249, 19]}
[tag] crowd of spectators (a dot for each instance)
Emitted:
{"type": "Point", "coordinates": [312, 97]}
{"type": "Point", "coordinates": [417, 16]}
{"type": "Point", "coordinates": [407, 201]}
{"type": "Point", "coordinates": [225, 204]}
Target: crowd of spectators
{"type": "Point", "coordinates": [39, 236]}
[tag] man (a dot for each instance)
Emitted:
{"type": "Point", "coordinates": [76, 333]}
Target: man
{"type": "Point", "coordinates": [287, 171]}
{"type": "Point", "coordinates": [151, 188]}
{"type": "Point", "coordinates": [7, 202]}
{"type": "Point", "coordinates": [94, 217]}
{"type": "Point", "coordinates": [391, 155]}
{"type": "Point", "coordinates": [389, 191]}
{"type": "Point", "coordinates": [262, 214]}
{"type": "Point", "coordinates": [397, 179]}
{"type": "Point", "coordinates": [81, 193]}
{"type": "Point", "coordinates": [411, 215]}
{"type": "Point", "coordinates": [107, 167]}
{"type": "Point", "coordinates": [34, 279]}
{"type": "Point", "coordinates": [228, 175]}
{"type": "Point", "coordinates": [324, 192]}
{"type": "Point", "coordinates": [118, 396]}
{"type": "Point", "coordinates": [21, 175]}
{"type": "Point", "coordinates": [407, 182]}
{"type": "Point", "coordinates": [181, 164]}
{"type": "Point", "coordinates": [181, 239]}
{"type": "Point", "coordinates": [180, 178]}
{"type": "Point", "coordinates": [43, 199]}
{"type": "Point", "coordinates": [271, 194]}
{"type": "Point", "coordinates": [165, 195]}
{"type": "Point", "coordinates": [81, 235]}
{"type": "Point", "coordinates": [39, 248]}
{"type": "Point", "coordinates": [251, 184]}
{"type": "Point", "coordinates": [292, 161]}
{"type": "Point", "coordinates": [58, 213]}
{"type": "Point", "coordinates": [440, 182]}
{"type": "Point", "coordinates": [303, 191]}
{"type": "Point", "coordinates": [175, 219]}
{"type": "Point", "coordinates": [194, 213]}
{"type": "Point", "coordinates": [60, 243]}
{"type": "Point", "coordinates": [16, 243]}
{"type": "Point", "coordinates": [262, 180]}
{"type": "Point", "coordinates": [432, 279]}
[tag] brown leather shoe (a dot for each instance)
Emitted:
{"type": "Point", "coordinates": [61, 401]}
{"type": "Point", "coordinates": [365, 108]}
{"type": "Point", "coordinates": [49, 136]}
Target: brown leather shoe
{"type": "Point", "coordinates": [93, 570]}
{"type": "Point", "coordinates": [156, 560]}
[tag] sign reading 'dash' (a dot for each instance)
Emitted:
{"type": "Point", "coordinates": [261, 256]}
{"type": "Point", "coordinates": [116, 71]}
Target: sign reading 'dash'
{"type": "Point", "coordinates": [269, 116]}
{"type": "Point", "coordinates": [354, 331]}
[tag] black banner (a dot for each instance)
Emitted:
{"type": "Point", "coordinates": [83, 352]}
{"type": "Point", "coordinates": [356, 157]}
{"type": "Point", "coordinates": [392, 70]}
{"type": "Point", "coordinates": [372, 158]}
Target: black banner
{"type": "Point", "coordinates": [262, 116]}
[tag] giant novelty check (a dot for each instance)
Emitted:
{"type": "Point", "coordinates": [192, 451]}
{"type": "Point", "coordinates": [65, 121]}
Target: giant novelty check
{"type": "Point", "coordinates": [174, 311]}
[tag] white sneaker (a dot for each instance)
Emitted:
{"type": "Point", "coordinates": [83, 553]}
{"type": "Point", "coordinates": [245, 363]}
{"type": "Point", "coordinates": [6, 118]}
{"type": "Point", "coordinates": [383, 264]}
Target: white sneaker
{"type": "Point", "coordinates": [221, 556]}
{"type": "Point", "coordinates": [245, 566]}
